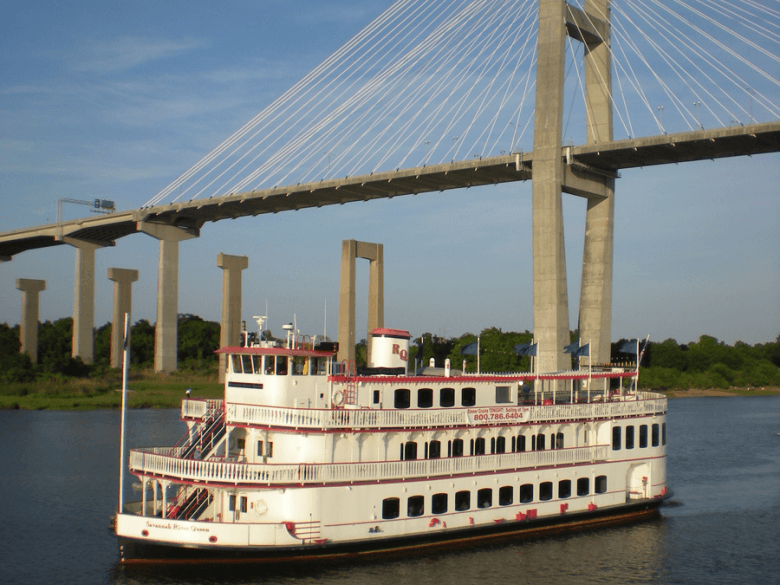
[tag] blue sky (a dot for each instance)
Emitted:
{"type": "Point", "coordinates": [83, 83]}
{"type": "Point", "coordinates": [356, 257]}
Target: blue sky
{"type": "Point", "coordinates": [115, 99]}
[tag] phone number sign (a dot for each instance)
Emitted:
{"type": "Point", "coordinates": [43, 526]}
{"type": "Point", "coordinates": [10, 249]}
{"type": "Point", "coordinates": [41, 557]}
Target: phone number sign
{"type": "Point", "coordinates": [498, 414]}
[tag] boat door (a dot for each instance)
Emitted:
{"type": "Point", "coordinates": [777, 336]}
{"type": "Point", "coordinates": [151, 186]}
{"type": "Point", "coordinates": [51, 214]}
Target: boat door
{"type": "Point", "coordinates": [238, 505]}
{"type": "Point", "coordinates": [637, 481]}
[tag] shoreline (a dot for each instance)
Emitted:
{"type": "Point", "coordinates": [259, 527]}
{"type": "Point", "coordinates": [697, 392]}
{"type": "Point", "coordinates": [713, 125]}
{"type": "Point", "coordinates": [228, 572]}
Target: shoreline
{"type": "Point", "coordinates": [715, 392]}
{"type": "Point", "coordinates": [154, 398]}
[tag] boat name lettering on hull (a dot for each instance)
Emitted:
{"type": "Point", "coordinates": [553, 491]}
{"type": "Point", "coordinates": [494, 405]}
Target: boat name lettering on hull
{"type": "Point", "coordinates": [175, 526]}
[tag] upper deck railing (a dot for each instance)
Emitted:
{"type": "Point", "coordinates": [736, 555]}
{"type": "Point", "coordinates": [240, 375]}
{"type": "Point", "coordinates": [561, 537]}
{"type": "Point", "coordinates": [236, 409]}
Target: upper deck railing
{"type": "Point", "coordinates": [346, 418]}
{"type": "Point", "coordinates": [162, 463]}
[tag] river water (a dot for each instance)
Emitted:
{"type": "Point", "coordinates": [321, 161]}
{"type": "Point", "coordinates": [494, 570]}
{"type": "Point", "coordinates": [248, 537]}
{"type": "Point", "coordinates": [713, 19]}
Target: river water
{"type": "Point", "coordinates": [59, 477]}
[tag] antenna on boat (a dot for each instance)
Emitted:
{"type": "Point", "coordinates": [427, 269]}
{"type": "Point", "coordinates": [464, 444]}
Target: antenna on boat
{"type": "Point", "coordinates": [125, 362]}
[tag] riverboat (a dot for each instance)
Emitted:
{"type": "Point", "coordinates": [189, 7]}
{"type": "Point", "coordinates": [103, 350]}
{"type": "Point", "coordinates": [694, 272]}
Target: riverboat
{"type": "Point", "coordinates": [309, 458]}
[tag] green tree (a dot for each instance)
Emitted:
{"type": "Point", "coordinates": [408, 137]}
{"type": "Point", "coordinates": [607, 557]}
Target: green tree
{"type": "Point", "coordinates": [103, 344]}
{"type": "Point", "coordinates": [198, 339]}
{"type": "Point", "coordinates": [142, 343]}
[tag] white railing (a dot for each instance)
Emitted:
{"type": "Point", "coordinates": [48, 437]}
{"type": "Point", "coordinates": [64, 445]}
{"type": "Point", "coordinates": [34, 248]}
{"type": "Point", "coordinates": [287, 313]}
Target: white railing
{"type": "Point", "coordinates": [198, 408]}
{"type": "Point", "coordinates": [643, 403]}
{"type": "Point", "coordinates": [159, 462]}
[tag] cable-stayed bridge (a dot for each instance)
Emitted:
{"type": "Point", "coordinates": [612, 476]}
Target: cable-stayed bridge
{"type": "Point", "coordinates": [437, 95]}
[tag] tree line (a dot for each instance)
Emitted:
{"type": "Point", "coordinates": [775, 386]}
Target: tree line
{"type": "Point", "coordinates": [666, 365]}
{"type": "Point", "coordinates": [706, 363]}
{"type": "Point", "coordinates": [198, 340]}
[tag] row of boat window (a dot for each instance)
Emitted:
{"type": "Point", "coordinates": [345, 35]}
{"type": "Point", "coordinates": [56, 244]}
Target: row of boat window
{"type": "Point", "coordinates": [462, 501]}
{"type": "Point", "coordinates": [655, 439]}
{"type": "Point", "coordinates": [478, 446]}
{"type": "Point", "coordinates": [279, 365]}
{"type": "Point", "coordinates": [402, 397]}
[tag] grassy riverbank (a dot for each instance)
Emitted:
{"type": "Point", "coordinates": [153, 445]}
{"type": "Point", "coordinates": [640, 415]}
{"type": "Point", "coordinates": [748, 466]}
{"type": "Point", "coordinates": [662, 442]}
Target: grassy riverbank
{"type": "Point", "coordinates": [147, 390]}
{"type": "Point", "coordinates": [151, 390]}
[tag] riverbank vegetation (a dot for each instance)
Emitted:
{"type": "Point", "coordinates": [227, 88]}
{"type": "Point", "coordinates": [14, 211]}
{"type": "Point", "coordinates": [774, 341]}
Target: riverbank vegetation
{"type": "Point", "coordinates": [61, 382]}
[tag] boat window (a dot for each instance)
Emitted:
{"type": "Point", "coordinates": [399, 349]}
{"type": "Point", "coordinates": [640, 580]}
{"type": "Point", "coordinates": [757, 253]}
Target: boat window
{"type": "Point", "coordinates": [281, 365]}
{"type": "Point", "coordinates": [564, 488]}
{"type": "Point", "coordinates": [545, 491]}
{"type": "Point", "coordinates": [526, 493]}
{"type": "Point", "coordinates": [583, 486]}
{"type": "Point", "coordinates": [655, 435]}
{"type": "Point", "coordinates": [434, 451]}
{"type": "Point", "coordinates": [506, 495]}
{"type": "Point", "coordinates": [259, 448]}
{"type": "Point", "coordinates": [246, 360]}
{"type": "Point", "coordinates": [457, 448]}
{"type": "Point", "coordinates": [468, 397]}
{"type": "Point", "coordinates": [424, 398]}
{"type": "Point", "coordinates": [447, 397]}
{"type": "Point", "coordinates": [601, 484]}
{"type": "Point", "coordinates": [663, 434]}
{"type": "Point", "coordinates": [642, 436]}
{"type": "Point", "coordinates": [270, 365]}
{"type": "Point", "coordinates": [630, 437]}
{"type": "Point", "coordinates": [243, 504]}
{"type": "Point", "coordinates": [232, 503]}
{"type": "Point", "coordinates": [559, 441]}
{"type": "Point", "coordinates": [376, 396]}
{"type": "Point", "coordinates": [410, 451]}
{"type": "Point", "coordinates": [478, 447]}
{"type": "Point", "coordinates": [257, 364]}
{"type": "Point", "coordinates": [462, 501]}
{"type": "Point", "coordinates": [319, 366]}
{"type": "Point", "coordinates": [540, 442]}
{"type": "Point", "coordinates": [503, 395]}
{"type": "Point", "coordinates": [533, 442]}
{"type": "Point", "coordinates": [391, 508]}
{"type": "Point", "coordinates": [299, 366]}
{"type": "Point", "coordinates": [415, 506]}
{"type": "Point", "coordinates": [616, 438]}
{"type": "Point", "coordinates": [485, 498]}
{"type": "Point", "coordinates": [552, 440]}
{"type": "Point", "coordinates": [236, 364]}
{"type": "Point", "coordinates": [521, 442]}
{"type": "Point", "coordinates": [402, 398]}
{"type": "Point", "coordinates": [500, 445]}
{"type": "Point", "coordinates": [439, 504]}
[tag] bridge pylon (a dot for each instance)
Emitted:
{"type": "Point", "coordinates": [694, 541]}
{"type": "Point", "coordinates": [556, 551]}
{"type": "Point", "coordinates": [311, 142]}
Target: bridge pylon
{"type": "Point", "coordinates": [553, 174]}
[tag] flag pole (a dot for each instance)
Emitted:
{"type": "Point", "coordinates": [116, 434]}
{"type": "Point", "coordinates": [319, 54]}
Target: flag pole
{"type": "Point", "coordinates": [124, 409]}
{"type": "Point", "coordinates": [478, 367]}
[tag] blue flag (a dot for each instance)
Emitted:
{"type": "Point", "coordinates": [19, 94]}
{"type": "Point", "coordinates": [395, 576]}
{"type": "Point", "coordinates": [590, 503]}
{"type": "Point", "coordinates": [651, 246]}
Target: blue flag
{"type": "Point", "coordinates": [526, 349]}
{"type": "Point", "coordinates": [628, 346]}
{"type": "Point", "coordinates": [470, 349]}
{"type": "Point", "coordinates": [582, 351]}
{"type": "Point", "coordinates": [572, 347]}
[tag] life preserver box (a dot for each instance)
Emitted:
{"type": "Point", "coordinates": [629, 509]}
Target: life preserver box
{"type": "Point", "coordinates": [338, 398]}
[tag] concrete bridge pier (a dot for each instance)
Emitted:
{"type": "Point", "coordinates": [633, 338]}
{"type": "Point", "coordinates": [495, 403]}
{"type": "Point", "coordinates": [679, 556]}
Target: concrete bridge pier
{"type": "Point", "coordinates": [350, 250]}
{"type": "Point", "coordinates": [123, 302]}
{"type": "Point", "coordinates": [230, 329]}
{"type": "Point", "coordinates": [166, 328]}
{"type": "Point", "coordinates": [83, 339]}
{"type": "Point", "coordinates": [28, 331]}
{"type": "Point", "coordinates": [551, 303]}
{"type": "Point", "coordinates": [595, 322]}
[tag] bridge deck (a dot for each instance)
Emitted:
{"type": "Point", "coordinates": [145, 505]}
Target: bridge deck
{"type": "Point", "coordinates": [609, 157]}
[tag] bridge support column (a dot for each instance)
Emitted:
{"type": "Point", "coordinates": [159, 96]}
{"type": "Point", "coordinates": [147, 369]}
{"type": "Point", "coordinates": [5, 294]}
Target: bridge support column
{"type": "Point", "coordinates": [83, 340]}
{"type": "Point", "coordinates": [595, 322]}
{"type": "Point", "coordinates": [123, 302]}
{"type": "Point", "coordinates": [28, 331]}
{"type": "Point", "coordinates": [166, 329]}
{"type": "Point", "coordinates": [231, 304]}
{"type": "Point", "coordinates": [551, 304]}
{"type": "Point", "coordinates": [350, 250]}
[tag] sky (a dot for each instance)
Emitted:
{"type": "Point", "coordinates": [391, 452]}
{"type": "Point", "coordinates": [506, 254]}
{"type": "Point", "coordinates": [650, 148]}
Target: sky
{"type": "Point", "coordinates": [113, 100]}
